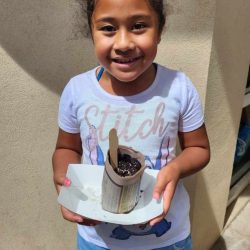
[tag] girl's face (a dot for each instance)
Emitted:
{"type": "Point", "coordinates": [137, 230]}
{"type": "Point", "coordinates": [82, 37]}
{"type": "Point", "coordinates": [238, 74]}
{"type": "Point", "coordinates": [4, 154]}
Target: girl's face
{"type": "Point", "coordinates": [125, 35]}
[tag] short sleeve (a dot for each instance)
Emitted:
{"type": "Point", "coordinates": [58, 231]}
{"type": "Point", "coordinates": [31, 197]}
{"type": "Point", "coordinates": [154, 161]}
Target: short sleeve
{"type": "Point", "coordinates": [67, 118]}
{"type": "Point", "coordinates": [191, 116]}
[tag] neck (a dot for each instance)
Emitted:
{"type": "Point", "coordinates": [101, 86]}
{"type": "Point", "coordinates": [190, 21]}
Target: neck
{"type": "Point", "coordinates": [116, 87]}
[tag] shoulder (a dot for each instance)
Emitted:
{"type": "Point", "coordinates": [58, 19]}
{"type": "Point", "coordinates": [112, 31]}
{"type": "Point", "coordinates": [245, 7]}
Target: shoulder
{"type": "Point", "coordinates": [82, 78]}
{"type": "Point", "coordinates": [178, 85]}
{"type": "Point", "coordinates": [77, 86]}
{"type": "Point", "coordinates": [175, 81]}
{"type": "Point", "coordinates": [183, 91]}
{"type": "Point", "coordinates": [172, 75]}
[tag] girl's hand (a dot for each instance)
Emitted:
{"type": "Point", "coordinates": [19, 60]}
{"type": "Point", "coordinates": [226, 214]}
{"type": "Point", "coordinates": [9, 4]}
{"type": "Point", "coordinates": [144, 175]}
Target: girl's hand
{"type": "Point", "coordinates": [194, 156]}
{"type": "Point", "coordinates": [73, 217]}
{"type": "Point", "coordinates": [167, 180]}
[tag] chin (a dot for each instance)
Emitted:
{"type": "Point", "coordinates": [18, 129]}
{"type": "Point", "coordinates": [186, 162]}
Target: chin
{"type": "Point", "coordinates": [127, 77]}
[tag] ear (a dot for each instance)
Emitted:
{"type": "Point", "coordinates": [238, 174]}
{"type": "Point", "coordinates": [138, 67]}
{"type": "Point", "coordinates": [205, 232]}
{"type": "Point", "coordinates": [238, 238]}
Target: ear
{"type": "Point", "coordinates": [159, 37]}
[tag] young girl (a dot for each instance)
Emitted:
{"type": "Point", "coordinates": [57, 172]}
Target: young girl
{"type": "Point", "coordinates": [149, 105]}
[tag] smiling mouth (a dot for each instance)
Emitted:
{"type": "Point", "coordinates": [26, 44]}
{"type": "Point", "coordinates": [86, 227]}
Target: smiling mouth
{"type": "Point", "coordinates": [125, 60]}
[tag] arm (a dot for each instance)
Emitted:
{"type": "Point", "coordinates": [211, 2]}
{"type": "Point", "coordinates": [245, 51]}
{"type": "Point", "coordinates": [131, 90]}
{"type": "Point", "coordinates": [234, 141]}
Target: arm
{"type": "Point", "coordinates": [195, 155]}
{"type": "Point", "coordinates": [68, 150]}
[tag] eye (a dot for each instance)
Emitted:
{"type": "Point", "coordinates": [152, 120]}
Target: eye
{"type": "Point", "coordinates": [108, 28]}
{"type": "Point", "coordinates": [139, 26]}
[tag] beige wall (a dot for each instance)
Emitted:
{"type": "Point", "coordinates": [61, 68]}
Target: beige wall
{"type": "Point", "coordinates": [41, 47]}
{"type": "Point", "coordinates": [227, 78]}
{"type": "Point", "coordinates": [38, 53]}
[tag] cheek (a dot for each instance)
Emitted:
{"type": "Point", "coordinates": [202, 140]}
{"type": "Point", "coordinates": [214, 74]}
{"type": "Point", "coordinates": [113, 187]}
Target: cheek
{"type": "Point", "coordinates": [100, 52]}
{"type": "Point", "coordinates": [149, 43]}
{"type": "Point", "coordinates": [101, 48]}
{"type": "Point", "coordinates": [150, 47]}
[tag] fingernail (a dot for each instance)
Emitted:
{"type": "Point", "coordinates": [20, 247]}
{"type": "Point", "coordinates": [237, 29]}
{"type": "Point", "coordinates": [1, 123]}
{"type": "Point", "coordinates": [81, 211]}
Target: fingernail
{"type": "Point", "coordinates": [156, 196]}
{"type": "Point", "coordinates": [67, 182]}
{"type": "Point", "coordinates": [79, 220]}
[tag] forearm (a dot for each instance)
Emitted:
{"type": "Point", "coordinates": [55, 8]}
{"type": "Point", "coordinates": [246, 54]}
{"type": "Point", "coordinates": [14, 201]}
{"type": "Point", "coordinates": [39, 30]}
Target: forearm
{"type": "Point", "coordinates": [194, 156]}
{"type": "Point", "coordinates": [191, 160]}
{"type": "Point", "coordinates": [60, 161]}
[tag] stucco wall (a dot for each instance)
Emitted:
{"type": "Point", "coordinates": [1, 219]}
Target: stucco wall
{"type": "Point", "coordinates": [227, 78]}
{"type": "Point", "coordinates": [41, 48]}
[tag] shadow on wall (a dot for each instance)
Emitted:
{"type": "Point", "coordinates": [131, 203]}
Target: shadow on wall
{"type": "Point", "coordinates": [203, 219]}
{"type": "Point", "coordinates": [204, 224]}
{"type": "Point", "coordinates": [229, 64]}
{"type": "Point", "coordinates": [45, 39]}
{"type": "Point", "coordinates": [226, 84]}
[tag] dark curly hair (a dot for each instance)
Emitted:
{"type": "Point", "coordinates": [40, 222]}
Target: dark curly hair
{"type": "Point", "coordinates": [157, 5]}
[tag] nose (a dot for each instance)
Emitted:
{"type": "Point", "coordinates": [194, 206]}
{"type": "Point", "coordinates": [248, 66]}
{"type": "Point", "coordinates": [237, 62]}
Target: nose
{"type": "Point", "coordinates": [123, 41]}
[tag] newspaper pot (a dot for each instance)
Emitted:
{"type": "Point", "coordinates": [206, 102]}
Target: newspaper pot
{"type": "Point", "coordinates": [121, 194]}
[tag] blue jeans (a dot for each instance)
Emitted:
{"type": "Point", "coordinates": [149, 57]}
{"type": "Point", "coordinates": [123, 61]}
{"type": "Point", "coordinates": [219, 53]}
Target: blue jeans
{"type": "Point", "coordinates": [180, 245]}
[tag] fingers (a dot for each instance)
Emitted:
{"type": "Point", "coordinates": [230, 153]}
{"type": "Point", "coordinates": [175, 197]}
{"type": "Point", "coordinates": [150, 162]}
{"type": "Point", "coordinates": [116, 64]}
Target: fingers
{"type": "Point", "coordinates": [159, 186]}
{"type": "Point", "coordinates": [166, 183]}
{"type": "Point", "coordinates": [76, 218]}
{"type": "Point", "coordinates": [157, 219]}
{"type": "Point", "coordinates": [70, 216]}
{"type": "Point", "coordinates": [168, 196]}
{"type": "Point", "coordinates": [89, 222]}
{"type": "Point", "coordinates": [73, 217]}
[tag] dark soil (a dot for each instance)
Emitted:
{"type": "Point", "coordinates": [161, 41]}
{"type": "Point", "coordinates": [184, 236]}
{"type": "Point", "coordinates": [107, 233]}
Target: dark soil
{"type": "Point", "coordinates": [127, 165]}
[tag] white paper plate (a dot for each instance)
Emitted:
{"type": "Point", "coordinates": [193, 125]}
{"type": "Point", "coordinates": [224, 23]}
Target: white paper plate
{"type": "Point", "coordinates": [83, 196]}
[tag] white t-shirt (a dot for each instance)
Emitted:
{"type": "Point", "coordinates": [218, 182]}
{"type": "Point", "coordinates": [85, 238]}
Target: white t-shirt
{"type": "Point", "coordinates": [149, 122]}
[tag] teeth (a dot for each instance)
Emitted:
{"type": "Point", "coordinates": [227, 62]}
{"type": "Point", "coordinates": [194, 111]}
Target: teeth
{"type": "Point", "coordinates": [124, 60]}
